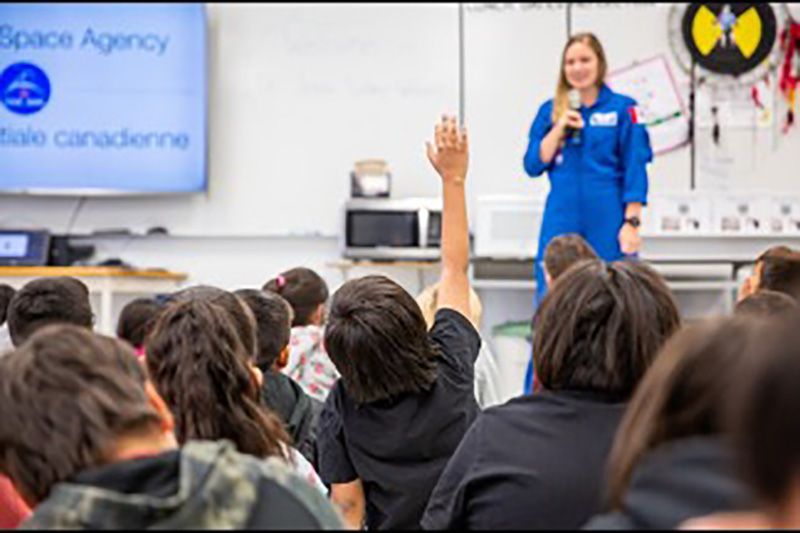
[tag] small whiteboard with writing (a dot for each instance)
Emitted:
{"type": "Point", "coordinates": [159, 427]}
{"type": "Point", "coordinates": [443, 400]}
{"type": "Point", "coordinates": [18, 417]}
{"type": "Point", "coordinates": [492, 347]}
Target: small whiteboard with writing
{"type": "Point", "coordinates": [659, 104]}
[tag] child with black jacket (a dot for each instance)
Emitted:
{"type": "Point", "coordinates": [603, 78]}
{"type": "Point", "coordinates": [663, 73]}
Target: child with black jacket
{"type": "Point", "coordinates": [406, 395]}
{"type": "Point", "coordinates": [284, 396]}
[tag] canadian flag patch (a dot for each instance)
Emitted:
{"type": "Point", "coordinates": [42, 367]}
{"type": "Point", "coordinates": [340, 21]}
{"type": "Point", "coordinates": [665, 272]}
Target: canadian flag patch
{"type": "Point", "coordinates": [633, 111]}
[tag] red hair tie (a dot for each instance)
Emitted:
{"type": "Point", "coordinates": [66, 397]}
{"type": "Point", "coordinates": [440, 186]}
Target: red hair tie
{"type": "Point", "coordinates": [280, 281]}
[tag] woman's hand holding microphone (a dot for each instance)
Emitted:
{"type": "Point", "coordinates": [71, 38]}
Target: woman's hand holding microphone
{"type": "Point", "coordinates": [570, 120]}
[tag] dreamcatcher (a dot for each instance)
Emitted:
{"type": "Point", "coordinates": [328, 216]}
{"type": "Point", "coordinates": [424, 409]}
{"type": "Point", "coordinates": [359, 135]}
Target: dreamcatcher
{"type": "Point", "coordinates": [726, 48]}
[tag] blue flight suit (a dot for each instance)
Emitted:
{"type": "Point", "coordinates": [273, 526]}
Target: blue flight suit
{"type": "Point", "coordinates": [591, 180]}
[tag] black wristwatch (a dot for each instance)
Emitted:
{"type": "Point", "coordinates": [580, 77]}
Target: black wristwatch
{"type": "Point", "coordinates": [633, 221]}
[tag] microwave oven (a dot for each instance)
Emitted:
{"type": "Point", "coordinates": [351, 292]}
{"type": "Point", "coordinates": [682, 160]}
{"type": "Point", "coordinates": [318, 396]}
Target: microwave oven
{"type": "Point", "coordinates": [385, 229]}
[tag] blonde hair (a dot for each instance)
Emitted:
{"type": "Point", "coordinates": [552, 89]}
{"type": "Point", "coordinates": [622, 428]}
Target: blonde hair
{"type": "Point", "coordinates": [428, 301]}
{"type": "Point", "coordinates": [561, 101]}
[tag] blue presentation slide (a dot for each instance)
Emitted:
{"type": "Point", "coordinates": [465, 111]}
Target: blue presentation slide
{"type": "Point", "coordinates": [103, 98]}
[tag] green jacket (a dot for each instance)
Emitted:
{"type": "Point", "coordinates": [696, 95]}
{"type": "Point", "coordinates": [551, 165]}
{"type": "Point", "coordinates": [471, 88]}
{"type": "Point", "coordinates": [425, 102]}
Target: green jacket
{"type": "Point", "coordinates": [217, 488]}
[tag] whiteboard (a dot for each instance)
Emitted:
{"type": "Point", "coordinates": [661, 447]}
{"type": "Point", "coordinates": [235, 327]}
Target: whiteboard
{"type": "Point", "coordinates": [511, 60]}
{"type": "Point", "coordinates": [297, 94]}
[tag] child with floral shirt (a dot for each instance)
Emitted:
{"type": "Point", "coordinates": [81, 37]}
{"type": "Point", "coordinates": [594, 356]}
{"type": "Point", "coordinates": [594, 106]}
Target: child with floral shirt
{"type": "Point", "coordinates": [309, 364]}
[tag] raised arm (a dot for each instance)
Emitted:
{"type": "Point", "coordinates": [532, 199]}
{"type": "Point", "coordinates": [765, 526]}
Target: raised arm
{"type": "Point", "coordinates": [449, 155]}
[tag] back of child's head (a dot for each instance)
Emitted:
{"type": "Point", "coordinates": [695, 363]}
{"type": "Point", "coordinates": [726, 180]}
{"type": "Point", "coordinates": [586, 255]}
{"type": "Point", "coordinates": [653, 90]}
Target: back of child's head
{"type": "Point", "coordinates": [377, 338]}
{"type": "Point", "coordinates": [428, 301]}
{"type": "Point", "coordinates": [6, 294]}
{"type": "Point", "coordinates": [136, 319]}
{"type": "Point", "coordinates": [684, 394]}
{"type": "Point", "coordinates": [766, 303]}
{"type": "Point", "coordinates": [774, 252]}
{"type": "Point", "coordinates": [600, 327]}
{"type": "Point", "coordinates": [66, 396]}
{"type": "Point", "coordinates": [564, 251]}
{"type": "Point", "coordinates": [237, 310]}
{"type": "Point", "coordinates": [780, 271]}
{"type": "Point", "coordinates": [44, 301]}
{"type": "Point", "coordinates": [201, 367]}
{"type": "Point", "coordinates": [305, 291]}
{"type": "Point", "coordinates": [273, 316]}
{"type": "Point", "coordinates": [763, 414]}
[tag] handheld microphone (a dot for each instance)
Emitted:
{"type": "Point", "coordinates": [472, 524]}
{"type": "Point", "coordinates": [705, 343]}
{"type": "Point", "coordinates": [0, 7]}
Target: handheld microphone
{"type": "Point", "coordinates": [574, 103]}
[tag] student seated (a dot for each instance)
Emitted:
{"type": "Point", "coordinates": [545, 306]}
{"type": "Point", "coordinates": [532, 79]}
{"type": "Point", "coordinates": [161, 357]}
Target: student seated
{"type": "Point", "coordinates": [44, 301]}
{"type": "Point", "coordinates": [110, 459]}
{"type": "Point", "coordinates": [538, 461]}
{"type": "Point", "coordinates": [488, 381]}
{"type": "Point", "coordinates": [135, 321]}
{"type": "Point", "coordinates": [777, 269]}
{"type": "Point", "coordinates": [766, 433]}
{"type": "Point", "coordinates": [560, 254]}
{"type": "Point", "coordinates": [6, 293]}
{"type": "Point", "coordinates": [564, 251]}
{"type": "Point", "coordinates": [308, 364]}
{"type": "Point", "coordinates": [671, 458]}
{"type": "Point", "coordinates": [297, 410]}
{"type": "Point", "coordinates": [238, 312]}
{"type": "Point", "coordinates": [200, 357]}
{"type": "Point", "coordinates": [765, 303]}
{"type": "Point", "coordinates": [406, 396]}
{"type": "Point", "coordinates": [12, 509]}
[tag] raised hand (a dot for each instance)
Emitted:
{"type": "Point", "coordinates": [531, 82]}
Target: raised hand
{"type": "Point", "coordinates": [449, 154]}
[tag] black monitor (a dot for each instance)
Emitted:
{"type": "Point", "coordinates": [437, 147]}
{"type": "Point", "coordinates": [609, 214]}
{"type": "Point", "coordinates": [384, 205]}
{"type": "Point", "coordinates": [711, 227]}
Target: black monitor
{"type": "Point", "coordinates": [24, 247]}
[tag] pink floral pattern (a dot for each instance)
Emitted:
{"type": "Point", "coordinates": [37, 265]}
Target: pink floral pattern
{"type": "Point", "coordinates": [309, 364]}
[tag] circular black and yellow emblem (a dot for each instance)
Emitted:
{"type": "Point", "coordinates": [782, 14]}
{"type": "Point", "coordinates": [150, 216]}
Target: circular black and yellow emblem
{"type": "Point", "coordinates": [729, 39]}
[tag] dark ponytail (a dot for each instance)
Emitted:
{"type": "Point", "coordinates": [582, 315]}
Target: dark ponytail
{"type": "Point", "coordinates": [303, 288]}
{"type": "Point", "coordinates": [200, 366]}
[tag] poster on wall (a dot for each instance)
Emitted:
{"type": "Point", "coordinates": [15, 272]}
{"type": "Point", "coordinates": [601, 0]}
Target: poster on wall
{"type": "Point", "coordinates": [659, 104]}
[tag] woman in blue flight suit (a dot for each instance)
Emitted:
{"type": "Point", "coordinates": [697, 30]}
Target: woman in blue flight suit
{"type": "Point", "coordinates": [595, 158]}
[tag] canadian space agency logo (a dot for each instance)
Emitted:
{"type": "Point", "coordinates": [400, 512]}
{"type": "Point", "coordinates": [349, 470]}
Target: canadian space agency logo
{"type": "Point", "coordinates": [24, 88]}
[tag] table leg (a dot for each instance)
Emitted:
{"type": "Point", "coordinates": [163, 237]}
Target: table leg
{"type": "Point", "coordinates": [730, 298]}
{"type": "Point", "coordinates": [106, 310]}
